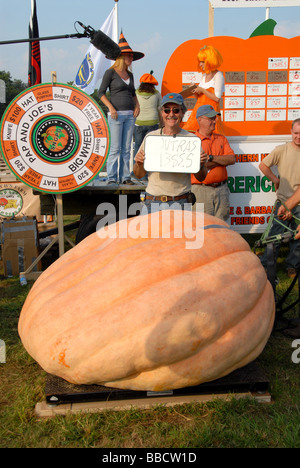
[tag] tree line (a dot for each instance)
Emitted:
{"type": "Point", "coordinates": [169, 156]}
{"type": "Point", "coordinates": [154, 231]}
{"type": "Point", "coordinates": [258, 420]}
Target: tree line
{"type": "Point", "coordinates": [12, 88]}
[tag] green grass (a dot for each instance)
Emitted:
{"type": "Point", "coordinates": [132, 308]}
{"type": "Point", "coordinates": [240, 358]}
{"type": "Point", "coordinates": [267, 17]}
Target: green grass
{"type": "Point", "coordinates": [218, 423]}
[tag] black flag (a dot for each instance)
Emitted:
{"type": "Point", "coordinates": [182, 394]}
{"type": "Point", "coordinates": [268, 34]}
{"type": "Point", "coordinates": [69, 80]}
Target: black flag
{"type": "Point", "coordinates": [34, 65]}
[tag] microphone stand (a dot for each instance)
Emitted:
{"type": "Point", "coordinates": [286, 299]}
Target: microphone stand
{"type": "Point", "coordinates": [88, 32]}
{"type": "Point", "coordinates": [66, 36]}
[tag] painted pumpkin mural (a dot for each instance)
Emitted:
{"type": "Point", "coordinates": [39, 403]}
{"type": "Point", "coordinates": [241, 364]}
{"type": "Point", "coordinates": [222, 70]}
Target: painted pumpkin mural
{"type": "Point", "coordinates": [150, 312]}
{"type": "Point", "coordinates": [262, 81]}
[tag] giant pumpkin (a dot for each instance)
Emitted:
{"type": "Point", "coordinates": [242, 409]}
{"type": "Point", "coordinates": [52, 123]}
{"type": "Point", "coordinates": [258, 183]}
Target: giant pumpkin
{"type": "Point", "coordinates": [148, 309]}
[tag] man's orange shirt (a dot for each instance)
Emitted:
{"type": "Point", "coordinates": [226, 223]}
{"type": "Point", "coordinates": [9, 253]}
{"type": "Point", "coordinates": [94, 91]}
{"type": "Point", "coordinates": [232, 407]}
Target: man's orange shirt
{"type": "Point", "coordinates": [217, 145]}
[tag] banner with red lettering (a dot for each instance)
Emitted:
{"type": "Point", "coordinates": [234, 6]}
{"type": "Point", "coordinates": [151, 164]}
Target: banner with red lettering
{"type": "Point", "coordinates": [252, 195]}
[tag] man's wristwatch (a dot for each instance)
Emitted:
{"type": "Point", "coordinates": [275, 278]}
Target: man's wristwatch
{"type": "Point", "coordinates": [210, 157]}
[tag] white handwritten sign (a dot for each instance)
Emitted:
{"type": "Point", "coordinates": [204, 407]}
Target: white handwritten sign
{"type": "Point", "coordinates": [294, 76]}
{"type": "Point", "coordinates": [279, 114]}
{"type": "Point", "coordinates": [294, 101]}
{"type": "Point", "coordinates": [255, 102]}
{"type": "Point", "coordinates": [294, 88]}
{"type": "Point", "coordinates": [234, 102]}
{"type": "Point", "coordinates": [234, 116]}
{"type": "Point", "coordinates": [293, 114]}
{"type": "Point", "coordinates": [186, 116]}
{"type": "Point", "coordinates": [278, 63]}
{"type": "Point", "coordinates": [255, 90]}
{"type": "Point", "coordinates": [276, 102]}
{"type": "Point", "coordinates": [255, 115]}
{"type": "Point", "coordinates": [180, 154]}
{"type": "Point", "coordinates": [191, 77]}
{"type": "Point", "coordinates": [295, 62]}
{"type": "Point", "coordinates": [277, 89]}
{"type": "Point", "coordinates": [234, 90]}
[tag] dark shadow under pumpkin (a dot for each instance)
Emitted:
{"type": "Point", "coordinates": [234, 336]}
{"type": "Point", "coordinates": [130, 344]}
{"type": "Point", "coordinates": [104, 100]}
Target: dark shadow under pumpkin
{"type": "Point", "coordinates": [250, 378]}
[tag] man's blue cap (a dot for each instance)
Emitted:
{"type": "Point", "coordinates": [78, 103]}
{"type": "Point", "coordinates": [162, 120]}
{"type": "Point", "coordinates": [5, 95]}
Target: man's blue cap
{"type": "Point", "coordinates": [207, 111]}
{"type": "Point", "coordinates": [172, 97]}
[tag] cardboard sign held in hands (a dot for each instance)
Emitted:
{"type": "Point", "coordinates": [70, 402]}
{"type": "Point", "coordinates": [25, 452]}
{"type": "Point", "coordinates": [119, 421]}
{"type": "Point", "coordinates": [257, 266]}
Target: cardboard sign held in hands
{"type": "Point", "coordinates": [188, 92]}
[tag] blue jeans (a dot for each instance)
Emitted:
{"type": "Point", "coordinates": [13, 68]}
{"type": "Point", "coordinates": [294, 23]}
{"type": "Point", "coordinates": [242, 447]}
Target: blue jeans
{"type": "Point", "coordinates": [293, 257]}
{"type": "Point", "coordinates": [118, 161]}
{"type": "Point", "coordinates": [140, 131]}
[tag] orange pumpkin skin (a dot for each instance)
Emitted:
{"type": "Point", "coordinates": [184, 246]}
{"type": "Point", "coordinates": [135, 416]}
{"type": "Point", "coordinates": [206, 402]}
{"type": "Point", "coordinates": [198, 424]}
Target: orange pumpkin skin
{"type": "Point", "coordinates": [150, 314]}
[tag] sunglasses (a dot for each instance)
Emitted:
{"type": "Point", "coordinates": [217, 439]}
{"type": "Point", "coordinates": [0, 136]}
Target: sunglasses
{"type": "Point", "coordinates": [167, 110]}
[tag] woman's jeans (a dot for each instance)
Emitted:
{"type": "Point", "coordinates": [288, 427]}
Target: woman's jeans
{"type": "Point", "coordinates": [140, 131]}
{"type": "Point", "coordinates": [118, 161]}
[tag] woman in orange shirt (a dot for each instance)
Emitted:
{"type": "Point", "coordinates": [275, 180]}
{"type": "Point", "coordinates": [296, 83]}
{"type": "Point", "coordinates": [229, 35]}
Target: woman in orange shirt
{"type": "Point", "coordinates": [211, 86]}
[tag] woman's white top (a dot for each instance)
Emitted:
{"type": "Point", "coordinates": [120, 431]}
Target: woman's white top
{"type": "Point", "coordinates": [217, 82]}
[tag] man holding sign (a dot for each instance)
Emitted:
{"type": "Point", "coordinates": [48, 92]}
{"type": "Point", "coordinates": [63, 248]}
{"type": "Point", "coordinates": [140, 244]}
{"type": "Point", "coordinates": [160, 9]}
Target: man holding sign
{"type": "Point", "coordinates": [169, 179]}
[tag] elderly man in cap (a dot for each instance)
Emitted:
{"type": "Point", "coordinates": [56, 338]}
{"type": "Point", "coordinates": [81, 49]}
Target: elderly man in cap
{"type": "Point", "coordinates": [164, 189]}
{"type": "Point", "coordinates": [213, 191]}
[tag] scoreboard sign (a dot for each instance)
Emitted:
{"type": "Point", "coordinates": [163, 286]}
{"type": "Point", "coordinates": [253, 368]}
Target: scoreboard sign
{"type": "Point", "coordinates": [54, 138]}
{"type": "Point", "coordinates": [262, 82]}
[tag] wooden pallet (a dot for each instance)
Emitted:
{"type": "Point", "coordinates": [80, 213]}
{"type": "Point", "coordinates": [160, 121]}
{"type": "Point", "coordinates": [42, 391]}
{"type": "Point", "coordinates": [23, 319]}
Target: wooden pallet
{"type": "Point", "coordinates": [63, 397]}
{"type": "Point", "coordinates": [43, 409]}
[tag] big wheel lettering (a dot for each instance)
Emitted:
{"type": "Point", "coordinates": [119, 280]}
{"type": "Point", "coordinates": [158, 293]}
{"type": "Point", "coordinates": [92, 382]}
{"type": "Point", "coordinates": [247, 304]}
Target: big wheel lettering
{"type": "Point", "coordinates": [55, 138]}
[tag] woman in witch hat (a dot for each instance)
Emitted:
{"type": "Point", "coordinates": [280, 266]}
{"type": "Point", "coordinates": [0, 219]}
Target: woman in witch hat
{"type": "Point", "coordinates": [123, 108]}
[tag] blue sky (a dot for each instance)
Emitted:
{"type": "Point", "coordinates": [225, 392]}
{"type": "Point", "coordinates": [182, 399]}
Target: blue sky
{"type": "Point", "coordinates": [156, 28]}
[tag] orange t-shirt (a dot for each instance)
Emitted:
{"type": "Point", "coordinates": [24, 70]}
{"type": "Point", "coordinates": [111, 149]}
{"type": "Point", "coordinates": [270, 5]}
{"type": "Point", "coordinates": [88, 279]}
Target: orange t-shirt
{"type": "Point", "coordinates": [217, 145]}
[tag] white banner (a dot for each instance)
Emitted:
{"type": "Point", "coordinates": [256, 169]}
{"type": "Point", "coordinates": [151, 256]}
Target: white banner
{"type": "Point", "coordinates": [252, 194]}
{"type": "Point", "coordinates": [95, 63]}
{"type": "Point", "coordinates": [253, 3]}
